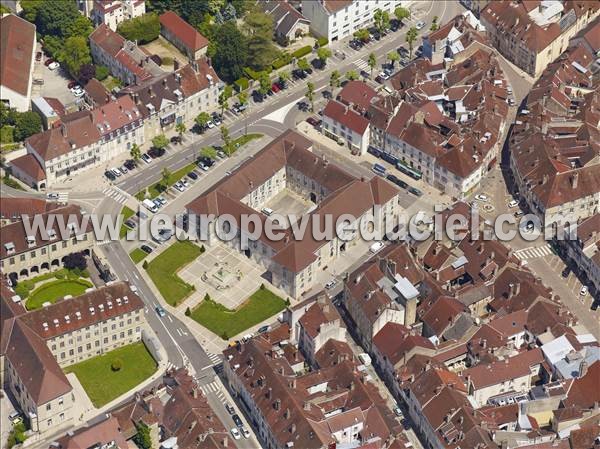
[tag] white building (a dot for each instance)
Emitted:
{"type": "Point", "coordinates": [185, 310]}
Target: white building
{"type": "Point", "coordinates": [336, 20]}
{"type": "Point", "coordinates": [113, 12]}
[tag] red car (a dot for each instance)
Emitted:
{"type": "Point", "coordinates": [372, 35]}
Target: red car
{"type": "Point", "coordinates": [313, 121]}
{"type": "Point", "coordinates": [72, 84]}
{"type": "Point", "coordinates": [48, 62]}
{"type": "Point", "coordinates": [38, 56]}
{"type": "Point", "coordinates": [275, 88]}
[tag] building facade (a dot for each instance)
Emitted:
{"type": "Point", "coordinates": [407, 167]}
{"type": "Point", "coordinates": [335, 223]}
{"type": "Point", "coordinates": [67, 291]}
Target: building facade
{"type": "Point", "coordinates": [113, 12]}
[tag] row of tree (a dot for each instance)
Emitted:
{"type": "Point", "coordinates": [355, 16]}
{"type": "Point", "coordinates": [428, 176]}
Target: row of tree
{"type": "Point", "coordinates": [24, 124]}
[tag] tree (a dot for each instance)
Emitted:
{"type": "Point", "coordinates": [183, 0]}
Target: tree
{"type": "Point", "coordinates": [303, 64]}
{"type": "Point", "coordinates": [202, 119]}
{"type": "Point", "coordinates": [81, 26]}
{"type": "Point", "coordinates": [142, 29]}
{"type": "Point", "coordinates": [226, 140]}
{"type": "Point", "coordinates": [142, 438]}
{"type": "Point", "coordinates": [323, 53]}
{"type": "Point", "coordinates": [434, 24]}
{"type": "Point", "coordinates": [75, 54]}
{"type": "Point", "coordinates": [402, 13]}
{"type": "Point", "coordinates": [224, 97]}
{"type": "Point", "coordinates": [30, 9]}
{"type": "Point", "coordinates": [362, 34]}
{"type": "Point", "coordinates": [284, 77]}
{"type": "Point", "coordinates": [231, 52]}
{"type": "Point", "coordinates": [209, 152]}
{"type": "Point", "coordinates": [382, 20]}
{"type": "Point", "coordinates": [334, 79]}
{"type": "Point", "coordinates": [411, 37]}
{"type": "Point", "coordinates": [393, 56]}
{"type": "Point", "coordinates": [372, 62]}
{"type": "Point", "coordinates": [310, 94]}
{"type": "Point", "coordinates": [165, 178]}
{"type": "Point", "coordinates": [180, 128]}
{"type": "Point", "coordinates": [160, 141]}
{"type": "Point", "coordinates": [135, 153]}
{"type": "Point", "coordinates": [56, 18]}
{"type": "Point", "coordinates": [75, 261]}
{"type": "Point", "coordinates": [351, 75]}
{"type": "Point", "coordinates": [86, 73]}
{"type": "Point", "coordinates": [16, 435]}
{"type": "Point", "coordinates": [243, 98]}
{"type": "Point", "coordinates": [116, 364]}
{"type": "Point", "coordinates": [26, 124]}
{"type": "Point", "coordinates": [261, 49]}
{"type": "Point", "coordinates": [265, 83]}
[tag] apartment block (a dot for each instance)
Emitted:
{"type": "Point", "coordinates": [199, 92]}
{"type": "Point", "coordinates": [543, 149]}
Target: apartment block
{"type": "Point", "coordinates": [113, 12]}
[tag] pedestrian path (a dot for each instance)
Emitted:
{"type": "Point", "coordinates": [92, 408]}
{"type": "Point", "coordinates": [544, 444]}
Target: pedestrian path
{"type": "Point", "coordinates": [533, 252]}
{"type": "Point", "coordinates": [214, 388]}
{"type": "Point", "coordinates": [362, 64]}
{"type": "Point", "coordinates": [214, 358]}
{"type": "Point", "coordinates": [115, 194]}
{"type": "Point", "coordinates": [171, 365]}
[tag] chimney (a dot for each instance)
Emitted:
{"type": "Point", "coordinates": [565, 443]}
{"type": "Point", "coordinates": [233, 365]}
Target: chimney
{"type": "Point", "coordinates": [306, 406]}
{"type": "Point", "coordinates": [63, 130]}
{"type": "Point", "coordinates": [176, 66]}
{"type": "Point", "coordinates": [277, 404]}
{"type": "Point", "coordinates": [583, 367]}
{"type": "Point", "coordinates": [269, 393]}
{"type": "Point", "coordinates": [293, 428]}
{"type": "Point", "coordinates": [484, 343]}
{"type": "Point", "coordinates": [352, 386]}
{"type": "Point", "coordinates": [195, 393]}
{"type": "Point", "coordinates": [575, 180]}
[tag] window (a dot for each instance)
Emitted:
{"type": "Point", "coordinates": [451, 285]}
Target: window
{"type": "Point", "coordinates": [48, 407]}
{"type": "Point", "coordinates": [49, 422]}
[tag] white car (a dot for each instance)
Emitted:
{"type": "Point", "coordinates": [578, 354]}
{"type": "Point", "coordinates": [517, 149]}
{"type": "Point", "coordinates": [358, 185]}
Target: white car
{"type": "Point", "coordinates": [245, 432]}
{"type": "Point", "coordinates": [210, 124]}
{"type": "Point", "coordinates": [330, 284]}
{"type": "Point", "coordinates": [179, 186]}
{"type": "Point", "coordinates": [481, 197]}
{"type": "Point", "coordinates": [420, 25]}
{"type": "Point", "coordinates": [53, 65]}
{"type": "Point", "coordinates": [116, 172]}
{"type": "Point", "coordinates": [235, 434]}
{"type": "Point", "coordinates": [513, 203]}
{"type": "Point", "coordinates": [203, 167]}
{"type": "Point", "coordinates": [185, 183]}
{"type": "Point", "coordinates": [583, 291]}
{"type": "Point", "coordinates": [147, 159]}
{"type": "Point", "coordinates": [77, 90]}
{"type": "Point", "coordinates": [375, 247]}
{"type": "Point", "coordinates": [384, 76]}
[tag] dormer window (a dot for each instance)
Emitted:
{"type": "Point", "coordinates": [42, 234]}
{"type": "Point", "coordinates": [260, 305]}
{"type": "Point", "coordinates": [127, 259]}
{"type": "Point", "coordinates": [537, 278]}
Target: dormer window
{"type": "Point", "coordinates": [51, 234]}
{"type": "Point", "coordinates": [72, 227]}
{"type": "Point", "coordinates": [30, 241]}
{"type": "Point", "coordinates": [9, 247]}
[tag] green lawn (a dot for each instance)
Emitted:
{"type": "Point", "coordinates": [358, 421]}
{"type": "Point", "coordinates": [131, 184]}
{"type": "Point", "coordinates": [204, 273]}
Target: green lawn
{"type": "Point", "coordinates": [51, 291]}
{"type": "Point", "coordinates": [137, 255]}
{"type": "Point", "coordinates": [163, 271]}
{"type": "Point", "coordinates": [227, 323]}
{"type": "Point", "coordinates": [156, 189]}
{"type": "Point", "coordinates": [127, 214]}
{"type": "Point", "coordinates": [102, 384]}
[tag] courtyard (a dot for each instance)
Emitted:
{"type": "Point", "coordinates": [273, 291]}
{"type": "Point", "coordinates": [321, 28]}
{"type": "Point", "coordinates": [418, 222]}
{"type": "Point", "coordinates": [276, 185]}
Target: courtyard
{"type": "Point", "coordinates": [103, 383]}
{"type": "Point", "coordinates": [287, 203]}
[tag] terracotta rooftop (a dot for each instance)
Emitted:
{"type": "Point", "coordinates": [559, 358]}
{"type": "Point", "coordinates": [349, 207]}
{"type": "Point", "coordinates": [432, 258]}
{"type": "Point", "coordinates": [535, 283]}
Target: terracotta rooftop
{"type": "Point", "coordinates": [186, 33]}
{"type": "Point", "coordinates": [17, 44]}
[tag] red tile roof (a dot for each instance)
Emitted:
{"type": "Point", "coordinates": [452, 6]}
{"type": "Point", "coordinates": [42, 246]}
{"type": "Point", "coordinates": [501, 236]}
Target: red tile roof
{"type": "Point", "coordinates": [29, 165]}
{"type": "Point", "coordinates": [186, 33]}
{"type": "Point", "coordinates": [17, 44]}
{"type": "Point", "coordinates": [357, 93]}
{"type": "Point", "coordinates": [346, 116]}
{"type": "Point", "coordinates": [486, 375]}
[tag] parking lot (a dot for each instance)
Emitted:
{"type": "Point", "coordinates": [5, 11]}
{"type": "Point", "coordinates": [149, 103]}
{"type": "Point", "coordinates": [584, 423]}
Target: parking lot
{"type": "Point", "coordinates": [55, 85]}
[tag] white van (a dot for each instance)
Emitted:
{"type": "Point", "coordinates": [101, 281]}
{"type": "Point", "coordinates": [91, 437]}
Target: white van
{"type": "Point", "coordinates": [375, 247]}
{"type": "Point", "coordinates": [150, 206]}
{"type": "Point", "coordinates": [268, 212]}
{"type": "Point", "coordinates": [365, 358]}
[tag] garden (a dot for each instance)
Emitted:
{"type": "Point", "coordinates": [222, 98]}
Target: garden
{"type": "Point", "coordinates": [163, 270]}
{"type": "Point", "coordinates": [108, 376]}
{"type": "Point", "coordinates": [228, 323]}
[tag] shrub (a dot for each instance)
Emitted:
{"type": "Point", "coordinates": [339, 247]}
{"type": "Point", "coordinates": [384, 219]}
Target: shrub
{"type": "Point", "coordinates": [102, 72]}
{"type": "Point", "coordinates": [283, 60]}
{"type": "Point", "coordinates": [145, 265]}
{"type": "Point", "coordinates": [303, 51]}
{"type": "Point", "coordinates": [60, 275]}
{"type": "Point", "coordinates": [167, 60]}
{"type": "Point", "coordinates": [75, 260]}
{"type": "Point", "coordinates": [116, 365]}
{"type": "Point", "coordinates": [254, 74]}
{"type": "Point", "coordinates": [6, 134]}
{"type": "Point", "coordinates": [224, 335]}
{"type": "Point", "coordinates": [207, 297]}
{"type": "Point", "coordinates": [22, 291]}
{"type": "Point", "coordinates": [287, 301]}
{"type": "Point", "coordinates": [188, 312]}
{"type": "Point", "coordinates": [242, 84]}
{"type": "Point", "coordinates": [142, 29]}
{"type": "Point", "coordinates": [262, 286]}
{"type": "Point", "coordinates": [202, 249]}
{"type": "Point", "coordinates": [322, 41]}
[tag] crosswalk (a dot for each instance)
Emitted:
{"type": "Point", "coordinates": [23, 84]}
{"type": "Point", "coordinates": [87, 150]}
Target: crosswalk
{"type": "Point", "coordinates": [362, 64]}
{"type": "Point", "coordinates": [215, 389]}
{"type": "Point", "coordinates": [171, 365]}
{"type": "Point", "coordinates": [115, 194]}
{"type": "Point", "coordinates": [214, 358]}
{"type": "Point", "coordinates": [533, 252]}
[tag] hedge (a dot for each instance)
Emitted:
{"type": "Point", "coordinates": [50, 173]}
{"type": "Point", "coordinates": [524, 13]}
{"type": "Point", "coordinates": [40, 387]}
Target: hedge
{"type": "Point", "coordinates": [322, 41]}
{"type": "Point", "coordinates": [242, 84]}
{"type": "Point", "coordinates": [303, 51]}
{"type": "Point", "coordinates": [283, 60]}
{"type": "Point", "coordinates": [254, 74]}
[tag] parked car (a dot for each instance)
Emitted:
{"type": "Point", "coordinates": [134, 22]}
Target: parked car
{"type": "Point", "coordinates": [176, 139]}
{"type": "Point", "coordinates": [236, 419]}
{"type": "Point", "coordinates": [330, 284]}
{"type": "Point", "coordinates": [415, 191]}
{"type": "Point", "coordinates": [229, 408]}
{"type": "Point", "coordinates": [53, 66]}
{"type": "Point", "coordinates": [52, 196]}
{"type": "Point", "coordinates": [15, 418]}
{"type": "Point", "coordinates": [482, 197]}
{"type": "Point", "coordinates": [565, 273]}
{"type": "Point", "coordinates": [583, 291]}
{"type": "Point", "coordinates": [156, 152]}
{"type": "Point", "coordinates": [162, 200]}
{"type": "Point", "coordinates": [313, 121]}
{"type": "Point", "coordinates": [245, 432]}
{"type": "Point", "coordinates": [217, 119]}
{"type": "Point", "coordinates": [365, 74]}
{"type": "Point", "coordinates": [179, 186]}
{"type": "Point", "coordinates": [275, 87]}
{"type": "Point", "coordinates": [420, 25]}
{"type": "Point", "coordinates": [192, 175]}
{"type": "Point", "coordinates": [263, 329]}
{"type": "Point", "coordinates": [123, 169]}
{"type": "Point", "coordinates": [38, 56]}
{"type": "Point", "coordinates": [210, 124]}
{"type": "Point", "coordinates": [72, 84]}
{"type": "Point", "coordinates": [110, 175]}
{"type": "Point", "coordinates": [235, 434]}
{"type": "Point", "coordinates": [185, 183]}
{"type": "Point", "coordinates": [513, 203]}
{"type": "Point", "coordinates": [130, 164]}
{"type": "Point", "coordinates": [130, 223]}
{"type": "Point", "coordinates": [48, 62]}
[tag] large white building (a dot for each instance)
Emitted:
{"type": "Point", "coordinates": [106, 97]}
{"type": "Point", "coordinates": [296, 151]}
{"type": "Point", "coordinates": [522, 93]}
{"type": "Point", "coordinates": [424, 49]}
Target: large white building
{"type": "Point", "coordinates": [113, 12]}
{"type": "Point", "coordinates": [336, 20]}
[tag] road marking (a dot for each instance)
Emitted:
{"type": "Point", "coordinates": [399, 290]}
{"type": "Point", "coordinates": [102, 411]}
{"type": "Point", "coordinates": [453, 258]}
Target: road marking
{"type": "Point", "coordinates": [533, 252]}
{"type": "Point", "coordinates": [170, 319]}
